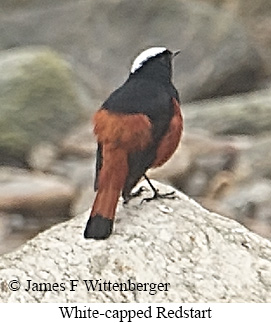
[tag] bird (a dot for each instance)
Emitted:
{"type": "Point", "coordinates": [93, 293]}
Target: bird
{"type": "Point", "coordinates": [138, 127]}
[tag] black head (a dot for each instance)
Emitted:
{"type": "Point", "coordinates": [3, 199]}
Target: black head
{"type": "Point", "coordinates": [155, 62]}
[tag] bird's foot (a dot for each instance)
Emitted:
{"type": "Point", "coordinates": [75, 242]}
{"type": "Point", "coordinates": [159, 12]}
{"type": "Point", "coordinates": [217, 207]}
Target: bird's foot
{"type": "Point", "coordinates": [157, 195]}
{"type": "Point", "coordinates": [134, 194]}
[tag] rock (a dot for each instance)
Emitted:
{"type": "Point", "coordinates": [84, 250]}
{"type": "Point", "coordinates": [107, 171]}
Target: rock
{"type": "Point", "coordinates": [217, 57]}
{"type": "Point", "coordinates": [256, 17]}
{"type": "Point", "coordinates": [249, 203]}
{"type": "Point", "coordinates": [31, 202]}
{"type": "Point", "coordinates": [18, 4]}
{"type": "Point", "coordinates": [16, 230]}
{"type": "Point", "coordinates": [42, 156]}
{"type": "Point", "coordinates": [45, 197]}
{"type": "Point", "coordinates": [202, 255]}
{"type": "Point", "coordinates": [194, 169]}
{"type": "Point", "coordinates": [4, 227]}
{"type": "Point", "coordinates": [230, 176]}
{"type": "Point", "coordinates": [255, 158]}
{"type": "Point", "coordinates": [244, 8]}
{"type": "Point", "coordinates": [254, 8]}
{"type": "Point", "coordinates": [248, 114]}
{"type": "Point", "coordinates": [80, 142]}
{"type": "Point", "coordinates": [80, 173]}
{"type": "Point", "coordinates": [38, 101]}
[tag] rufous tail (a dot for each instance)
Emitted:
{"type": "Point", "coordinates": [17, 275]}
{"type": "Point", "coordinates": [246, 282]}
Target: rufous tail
{"type": "Point", "coordinates": [111, 181]}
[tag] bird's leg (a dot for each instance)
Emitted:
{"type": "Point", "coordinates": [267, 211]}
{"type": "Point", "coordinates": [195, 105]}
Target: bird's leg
{"type": "Point", "coordinates": [134, 194]}
{"type": "Point", "coordinates": [156, 194]}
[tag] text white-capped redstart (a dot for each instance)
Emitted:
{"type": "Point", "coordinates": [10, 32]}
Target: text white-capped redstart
{"type": "Point", "coordinates": [138, 127]}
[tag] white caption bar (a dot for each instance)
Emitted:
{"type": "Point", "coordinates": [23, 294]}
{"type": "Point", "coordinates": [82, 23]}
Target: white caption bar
{"type": "Point", "coordinates": [134, 312]}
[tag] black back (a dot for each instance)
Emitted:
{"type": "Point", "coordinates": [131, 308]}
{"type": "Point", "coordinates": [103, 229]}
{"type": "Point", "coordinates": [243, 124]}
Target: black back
{"type": "Point", "coordinates": [148, 91]}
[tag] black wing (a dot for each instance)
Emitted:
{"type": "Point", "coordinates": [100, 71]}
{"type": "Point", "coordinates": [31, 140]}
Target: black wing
{"type": "Point", "coordinates": [99, 163]}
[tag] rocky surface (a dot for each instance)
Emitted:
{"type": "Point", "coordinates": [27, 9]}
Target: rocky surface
{"type": "Point", "coordinates": [226, 174]}
{"type": "Point", "coordinates": [223, 161]}
{"type": "Point", "coordinates": [192, 168]}
{"type": "Point", "coordinates": [203, 256]}
{"type": "Point", "coordinates": [58, 186]}
{"type": "Point", "coordinates": [221, 172]}
{"type": "Point", "coordinates": [224, 158]}
{"type": "Point", "coordinates": [244, 8]}
{"type": "Point", "coordinates": [31, 202]}
{"type": "Point", "coordinates": [34, 194]}
{"type": "Point", "coordinates": [38, 101]}
{"type": "Point", "coordinates": [236, 115]}
{"type": "Point", "coordinates": [255, 15]}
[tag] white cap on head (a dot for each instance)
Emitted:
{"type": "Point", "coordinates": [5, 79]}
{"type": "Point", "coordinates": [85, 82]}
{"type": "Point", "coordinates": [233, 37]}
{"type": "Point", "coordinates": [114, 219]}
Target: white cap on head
{"type": "Point", "coordinates": [145, 55]}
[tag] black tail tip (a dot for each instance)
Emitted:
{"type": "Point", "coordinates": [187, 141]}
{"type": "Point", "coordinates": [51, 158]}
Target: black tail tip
{"type": "Point", "coordinates": [98, 227]}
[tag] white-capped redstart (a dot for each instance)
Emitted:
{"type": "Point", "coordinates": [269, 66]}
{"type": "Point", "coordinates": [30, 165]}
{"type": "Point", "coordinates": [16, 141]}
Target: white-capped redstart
{"type": "Point", "coordinates": [138, 127]}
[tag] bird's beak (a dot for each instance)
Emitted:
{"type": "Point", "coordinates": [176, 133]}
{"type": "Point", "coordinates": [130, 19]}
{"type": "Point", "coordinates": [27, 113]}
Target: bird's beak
{"type": "Point", "coordinates": [176, 53]}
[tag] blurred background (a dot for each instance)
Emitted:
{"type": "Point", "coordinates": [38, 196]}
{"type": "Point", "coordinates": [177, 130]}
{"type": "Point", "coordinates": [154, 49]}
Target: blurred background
{"type": "Point", "coordinates": [59, 60]}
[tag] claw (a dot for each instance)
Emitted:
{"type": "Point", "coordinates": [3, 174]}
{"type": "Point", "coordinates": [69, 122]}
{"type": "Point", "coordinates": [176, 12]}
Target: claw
{"type": "Point", "coordinates": [157, 195]}
{"type": "Point", "coordinates": [135, 194]}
